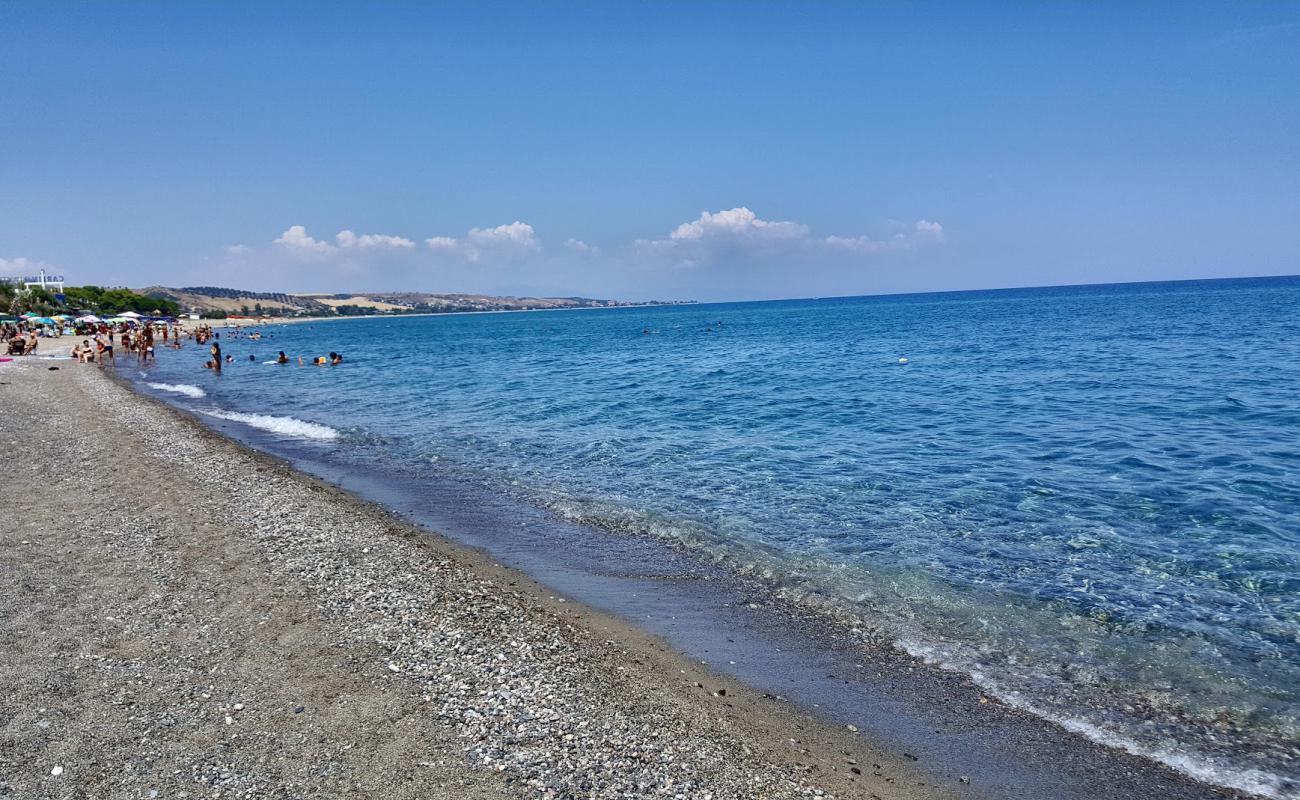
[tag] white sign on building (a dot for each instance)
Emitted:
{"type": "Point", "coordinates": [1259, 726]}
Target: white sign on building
{"type": "Point", "coordinates": [54, 283]}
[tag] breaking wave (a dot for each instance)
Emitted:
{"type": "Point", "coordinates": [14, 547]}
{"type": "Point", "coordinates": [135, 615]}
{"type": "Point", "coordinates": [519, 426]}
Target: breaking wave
{"type": "Point", "coordinates": [284, 426]}
{"type": "Point", "coordinates": [187, 389]}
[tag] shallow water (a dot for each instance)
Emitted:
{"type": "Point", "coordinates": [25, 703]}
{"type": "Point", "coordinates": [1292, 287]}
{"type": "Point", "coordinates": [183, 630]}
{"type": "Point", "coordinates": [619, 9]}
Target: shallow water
{"type": "Point", "coordinates": [1088, 498]}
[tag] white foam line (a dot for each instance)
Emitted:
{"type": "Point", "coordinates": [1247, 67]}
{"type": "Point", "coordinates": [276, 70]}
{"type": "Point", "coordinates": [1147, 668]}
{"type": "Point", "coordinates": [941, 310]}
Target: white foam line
{"type": "Point", "coordinates": [1194, 765]}
{"type": "Point", "coordinates": [187, 389]}
{"type": "Point", "coordinates": [284, 426]}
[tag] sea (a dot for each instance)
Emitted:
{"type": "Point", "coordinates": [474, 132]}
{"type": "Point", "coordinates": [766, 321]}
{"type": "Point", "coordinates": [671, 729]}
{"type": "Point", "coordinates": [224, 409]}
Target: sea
{"type": "Point", "coordinates": [1085, 498]}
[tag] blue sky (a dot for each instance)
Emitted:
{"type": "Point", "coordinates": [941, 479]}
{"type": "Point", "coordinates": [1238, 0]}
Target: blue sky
{"type": "Point", "coordinates": [675, 150]}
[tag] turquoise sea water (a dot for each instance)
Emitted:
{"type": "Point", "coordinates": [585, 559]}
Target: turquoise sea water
{"type": "Point", "coordinates": [1088, 498]}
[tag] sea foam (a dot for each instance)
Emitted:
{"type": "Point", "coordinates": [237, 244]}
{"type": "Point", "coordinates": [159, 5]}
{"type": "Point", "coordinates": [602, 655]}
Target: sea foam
{"type": "Point", "coordinates": [284, 426]}
{"type": "Point", "coordinates": [189, 390]}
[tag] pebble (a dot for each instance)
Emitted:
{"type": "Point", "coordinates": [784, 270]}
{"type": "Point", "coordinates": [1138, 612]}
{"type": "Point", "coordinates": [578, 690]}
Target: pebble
{"type": "Point", "coordinates": [526, 693]}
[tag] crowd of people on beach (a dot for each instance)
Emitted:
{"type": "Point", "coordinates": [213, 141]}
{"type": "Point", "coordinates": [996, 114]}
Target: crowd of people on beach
{"type": "Point", "coordinates": [103, 342]}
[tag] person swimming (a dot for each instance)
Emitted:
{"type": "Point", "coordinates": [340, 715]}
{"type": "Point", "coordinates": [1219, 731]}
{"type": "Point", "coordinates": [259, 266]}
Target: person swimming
{"type": "Point", "coordinates": [336, 358]}
{"type": "Point", "coordinates": [282, 358]}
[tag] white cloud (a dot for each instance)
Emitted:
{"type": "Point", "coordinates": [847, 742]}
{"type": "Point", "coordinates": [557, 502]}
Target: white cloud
{"type": "Point", "coordinates": [371, 240]}
{"type": "Point", "coordinates": [581, 247]}
{"type": "Point", "coordinates": [442, 243]}
{"type": "Point", "coordinates": [736, 237]}
{"type": "Point", "coordinates": [932, 229]}
{"type": "Point", "coordinates": [296, 238]}
{"type": "Point", "coordinates": [736, 223]}
{"type": "Point", "coordinates": [740, 233]}
{"type": "Point", "coordinates": [503, 243]}
{"type": "Point", "coordinates": [516, 234]}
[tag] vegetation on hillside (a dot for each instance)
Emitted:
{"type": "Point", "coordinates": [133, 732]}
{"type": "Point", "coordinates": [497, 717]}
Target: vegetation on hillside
{"type": "Point", "coordinates": [78, 299]}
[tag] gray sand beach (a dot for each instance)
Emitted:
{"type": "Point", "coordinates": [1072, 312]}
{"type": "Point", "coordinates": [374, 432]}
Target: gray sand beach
{"type": "Point", "coordinates": [184, 617]}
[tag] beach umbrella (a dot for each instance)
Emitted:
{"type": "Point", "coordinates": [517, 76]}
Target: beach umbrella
{"type": "Point", "coordinates": [8, 318]}
{"type": "Point", "coordinates": [41, 320]}
{"type": "Point", "coordinates": [130, 314]}
{"type": "Point", "coordinates": [63, 316]}
{"type": "Point", "coordinates": [116, 320]}
{"type": "Point", "coordinates": [89, 318]}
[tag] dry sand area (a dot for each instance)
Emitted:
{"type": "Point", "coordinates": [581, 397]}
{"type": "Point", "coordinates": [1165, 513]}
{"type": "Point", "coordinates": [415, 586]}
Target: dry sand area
{"type": "Point", "coordinates": [182, 617]}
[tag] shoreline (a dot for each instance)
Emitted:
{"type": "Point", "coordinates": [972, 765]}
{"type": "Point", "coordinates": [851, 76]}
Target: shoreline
{"type": "Point", "coordinates": [782, 648]}
{"type": "Point", "coordinates": [540, 692]}
{"type": "Point", "coordinates": [824, 745]}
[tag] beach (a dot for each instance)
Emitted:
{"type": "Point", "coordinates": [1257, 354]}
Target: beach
{"type": "Point", "coordinates": [931, 428]}
{"type": "Point", "coordinates": [251, 570]}
{"type": "Point", "coordinates": [189, 618]}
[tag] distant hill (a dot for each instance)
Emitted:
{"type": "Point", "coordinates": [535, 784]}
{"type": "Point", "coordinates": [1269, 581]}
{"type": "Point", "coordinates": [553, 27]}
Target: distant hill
{"type": "Point", "coordinates": [218, 301]}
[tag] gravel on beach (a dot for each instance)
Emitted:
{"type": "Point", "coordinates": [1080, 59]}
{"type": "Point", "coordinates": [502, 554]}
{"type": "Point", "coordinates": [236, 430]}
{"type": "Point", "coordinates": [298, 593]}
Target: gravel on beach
{"type": "Point", "coordinates": [182, 617]}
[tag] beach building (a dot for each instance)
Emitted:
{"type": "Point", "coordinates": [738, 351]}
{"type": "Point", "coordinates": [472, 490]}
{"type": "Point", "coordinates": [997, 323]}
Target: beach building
{"type": "Point", "coordinates": [53, 283]}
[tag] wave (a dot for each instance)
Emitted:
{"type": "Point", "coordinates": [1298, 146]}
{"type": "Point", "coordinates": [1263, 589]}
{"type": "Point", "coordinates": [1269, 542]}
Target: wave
{"type": "Point", "coordinates": [1187, 760]}
{"type": "Point", "coordinates": [284, 426]}
{"type": "Point", "coordinates": [187, 389]}
{"type": "Point", "coordinates": [816, 586]}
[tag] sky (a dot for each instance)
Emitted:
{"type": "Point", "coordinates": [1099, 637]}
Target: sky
{"type": "Point", "coordinates": [709, 151]}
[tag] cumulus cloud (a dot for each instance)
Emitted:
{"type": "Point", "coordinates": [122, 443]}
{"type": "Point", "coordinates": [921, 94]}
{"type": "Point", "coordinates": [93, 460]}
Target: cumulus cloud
{"type": "Point", "coordinates": [735, 238]}
{"type": "Point", "coordinates": [736, 223]}
{"type": "Point", "coordinates": [580, 247]}
{"type": "Point", "coordinates": [741, 233]}
{"type": "Point", "coordinates": [296, 238]}
{"type": "Point", "coordinates": [503, 243]}
{"type": "Point", "coordinates": [379, 241]}
{"type": "Point", "coordinates": [931, 229]}
{"type": "Point", "coordinates": [516, 233]}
